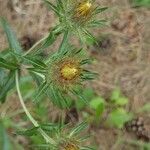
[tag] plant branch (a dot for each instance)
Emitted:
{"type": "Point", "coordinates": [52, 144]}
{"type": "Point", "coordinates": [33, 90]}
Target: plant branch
{"type": "Point", "coordinates": [34, 122]}
{"type": "Point", "coordinates": [35, 45]}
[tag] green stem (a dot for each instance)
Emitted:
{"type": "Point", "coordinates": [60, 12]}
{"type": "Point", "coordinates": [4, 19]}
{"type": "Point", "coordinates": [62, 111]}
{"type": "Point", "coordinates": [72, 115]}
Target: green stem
{"type": "Point", "coordinates": [34, 122]}
{"type": "Point", "coordinates": [35, 45]}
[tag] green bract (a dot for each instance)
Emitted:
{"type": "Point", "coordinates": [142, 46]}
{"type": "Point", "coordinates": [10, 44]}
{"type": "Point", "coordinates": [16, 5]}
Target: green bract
{"type": "Point", "coordinates": [78, 16]}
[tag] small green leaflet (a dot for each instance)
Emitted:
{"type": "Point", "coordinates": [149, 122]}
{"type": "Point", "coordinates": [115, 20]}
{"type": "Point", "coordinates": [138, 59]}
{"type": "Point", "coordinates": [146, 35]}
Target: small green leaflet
{"type": "Point", "coordinates": [118, 117]}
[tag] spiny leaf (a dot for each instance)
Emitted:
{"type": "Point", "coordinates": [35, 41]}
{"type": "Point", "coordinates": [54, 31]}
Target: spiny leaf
{"type": "Point", "coordinates": [64, 42]}
{"type": "Point", "coordinates": [97, 23]}
{"type": "Point", "coordinates": [57, 97]}
{"type": "Point", "coordinates": [51, 6]}
{"type": "Point", "coordinates": [90, 36]}
{"type": "Point", "coordinates": [4, 140]}
{"type": "Point", "coordinates": [8, 85]}
{"type": "Point", "coordinates": [99, 10]}
{"type": "Point", "coordinates": [87, 75]}
{"type": "Point", "coordinates": [29, 132]}
{"type": "Point", "coordinates": [7, 65]}
{"type": "Point", "coordinates": [60, 5]}
{"type": "Point", "coordinates": [85, 61]}
{"type": "Point", "coordinates": [80, 127]}
{"type": "Point", "coordinates": [50, 127]}
{"type": "Point", "coordinates": [78, 94]}
{"type": "Point", "coordinates": [41, 91]}
{"type": "Point", "coordinates": [13, 42]}
{"type": "Point", "coordinates": [35, 62]}
{"type": "Point", "coordinates": [87, 148]}
{"type": "Point", "coordinates": [37, 70]}
{"type": "Point", "coordinates": [31, 59]}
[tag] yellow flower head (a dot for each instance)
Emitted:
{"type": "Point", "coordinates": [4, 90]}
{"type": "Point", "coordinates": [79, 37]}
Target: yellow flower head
{"type": "Point", "coordinates": [83, 9]}
{"type": "Point", "coordinates": [69, 71]}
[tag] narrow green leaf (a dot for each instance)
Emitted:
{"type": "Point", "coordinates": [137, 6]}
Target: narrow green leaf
{"type": "Point", "coordinates": [3, 76]}
{"type": "Point", "coordinates": [58, 98]}
{"type": "Point", "coordinates": [13, 42]}
{"type": "Point", "coordinates": [4, 139]}
{"type": "Point", "coordinates": [140, 3]}
{"type": "Point", "coordinates": [35, 62]}
{"type": "Point", "coordinates": [60, 5]}
{"type": "Point", "coordinates": [87, 148]}
{"type": "Point", "coordinates": [29, 132]}
{"type": "Point", "coordinates": [53, 96]}
{"type": "Point", "coordinates": [50, 127]}
{"type": "Point", "coordinates": [79, 128]}
{"type": "Point", "coordinates": [88, 75]}
{"type": "Point", "coordinates": [85, 61]}
{"type": "Point", "coordinates": [37, 70]}
{"type": "Point", "coordinates": [90, 36]}
{"type": "Point", "coordinates": [27, 87]}
{"type": "Point", "coordinates": [80, 96]}
{"type": "Point", "coordinates": [6, 53]}
{"type": "Point", "coordinates": [41, 91]}
{"type": "Point", "coordinates": [38, 79]}
{"type": "Point", "coordinates": [97, 23]}
{"type": "Point", "coordinates": [64, 42]}
{"type": "Point", "coordinates": [7, 65]}
{"type": "Point", "coordinates": [31, 60]}
{"type": "Point", "coordinates": [8, 85]}
{"type": "Point", "coordinates": [53, 7]}
{"type": "Point", "coordinates": [100, 10]}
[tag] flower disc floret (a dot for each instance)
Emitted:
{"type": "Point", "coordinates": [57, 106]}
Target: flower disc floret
{"type": "Point", "coordinates": [83, 10]}
{"type": "Point", "coordinates": [69, 71]}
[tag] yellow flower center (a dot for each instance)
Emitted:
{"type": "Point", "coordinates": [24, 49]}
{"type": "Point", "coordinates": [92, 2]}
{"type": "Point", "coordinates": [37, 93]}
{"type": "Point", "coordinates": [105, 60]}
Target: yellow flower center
{"type": "Point", "coordinates": [83, 9]}
{"type": "Point", "coordinates": [69, 71]}
{"type": "Point", "coordinates": [71, 147]}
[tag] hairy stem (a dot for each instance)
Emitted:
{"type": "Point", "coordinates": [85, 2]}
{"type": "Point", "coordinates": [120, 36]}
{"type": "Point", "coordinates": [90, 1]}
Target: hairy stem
{"type": "Point", "coordinates": [34, 122]}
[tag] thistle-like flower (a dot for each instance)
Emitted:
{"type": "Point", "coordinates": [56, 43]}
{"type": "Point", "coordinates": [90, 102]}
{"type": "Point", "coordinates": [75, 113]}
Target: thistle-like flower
{"type": "Point", "coordinates": [64, 73]}
{"type": "Point", "coordinates": [78, 16]}
{"type": "Point", "coordinates": [70, 139]}
{"type": "Point", "coordinates": [82, 11]}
